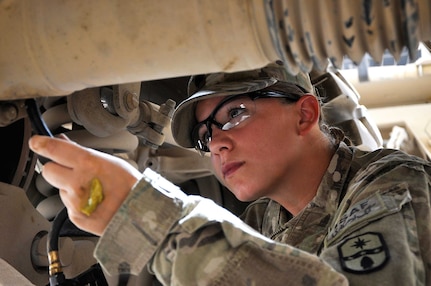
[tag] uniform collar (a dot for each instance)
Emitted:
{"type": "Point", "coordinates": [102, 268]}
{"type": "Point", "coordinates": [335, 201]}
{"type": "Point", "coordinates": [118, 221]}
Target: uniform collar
{"type": "Point", "coordinates": [329, 194]}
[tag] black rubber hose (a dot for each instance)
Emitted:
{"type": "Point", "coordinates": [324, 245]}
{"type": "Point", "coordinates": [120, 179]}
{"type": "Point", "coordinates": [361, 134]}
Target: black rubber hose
{"type": "Point", "coordinates": [37, 122]}
{"type": "Point", "coordinates": [36, 118]}
{"type": "Point", "coordinates": [54, 234]}
{"type": "Point", "coordinates": [56, 275]}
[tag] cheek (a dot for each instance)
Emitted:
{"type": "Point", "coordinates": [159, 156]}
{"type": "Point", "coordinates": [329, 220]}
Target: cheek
{"type": "Point", "coordinates": [264, 138]}
{"type": "Point", "coordinates": [267, 146]}
{"type": "Point", "coordinates": [215, 163]}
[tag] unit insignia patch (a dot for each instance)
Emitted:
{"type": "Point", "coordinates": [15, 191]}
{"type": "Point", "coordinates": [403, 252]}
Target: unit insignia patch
{"type": "Point", "coordinates": [364, 253]}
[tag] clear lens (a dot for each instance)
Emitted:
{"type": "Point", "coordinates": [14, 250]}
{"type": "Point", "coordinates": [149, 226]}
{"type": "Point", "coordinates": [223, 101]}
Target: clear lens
{"type": "Point", "coordinates": [227, 115]}
{"type": "Point", "coordinates": [201, 137]}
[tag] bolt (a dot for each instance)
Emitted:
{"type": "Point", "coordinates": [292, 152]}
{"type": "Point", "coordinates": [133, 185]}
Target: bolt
{"type": "Point", "coordinates": [131, 101]}
{"type": "Point", "coordinates": [167, 108]}
{"type": "Point", "coordinates": [8, 113]}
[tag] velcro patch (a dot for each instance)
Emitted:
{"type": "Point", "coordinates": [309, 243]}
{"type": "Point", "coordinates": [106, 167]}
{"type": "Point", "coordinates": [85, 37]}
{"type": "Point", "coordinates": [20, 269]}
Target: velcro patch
{"type": "Point", "coordinates": [364, 253]}
{"type": "Point", "coordinates": [359, 213]}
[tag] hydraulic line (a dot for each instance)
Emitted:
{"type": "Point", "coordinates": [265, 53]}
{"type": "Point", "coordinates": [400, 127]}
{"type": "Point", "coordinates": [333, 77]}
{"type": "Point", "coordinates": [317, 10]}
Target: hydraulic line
{"type": "Point", "coordinates": [35, 116]}
{"type": "Point", "coordinates": [93, 276]}
{"type": "Point", "coordinates": [56, 275]}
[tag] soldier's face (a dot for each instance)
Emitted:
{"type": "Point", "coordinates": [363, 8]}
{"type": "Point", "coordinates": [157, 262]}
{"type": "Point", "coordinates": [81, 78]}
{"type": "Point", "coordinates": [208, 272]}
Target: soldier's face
{"type": "Point", "coordinates": [253, 158]}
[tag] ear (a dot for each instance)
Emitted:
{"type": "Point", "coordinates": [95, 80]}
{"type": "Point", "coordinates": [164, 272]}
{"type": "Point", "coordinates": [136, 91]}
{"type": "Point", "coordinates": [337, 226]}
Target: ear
{"type": "Point", "coordinates": [309, 111]}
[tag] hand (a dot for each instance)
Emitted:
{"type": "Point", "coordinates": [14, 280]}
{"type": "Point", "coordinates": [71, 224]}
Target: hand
{"type": "Point", "coordinates": [72, 169]}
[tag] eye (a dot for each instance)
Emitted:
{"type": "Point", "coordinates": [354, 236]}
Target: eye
{"type": "Point", "coordinates": [200, 135]}
{"type": "Point", "coordinates": [236, 111]}
{"type": "Point", "coordinates": [205, 136]}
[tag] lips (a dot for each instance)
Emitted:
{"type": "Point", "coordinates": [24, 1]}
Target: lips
{"type": "Point", "coordinates": [230, 168]}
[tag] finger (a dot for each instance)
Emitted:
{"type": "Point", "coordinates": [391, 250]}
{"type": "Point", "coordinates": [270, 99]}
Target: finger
{"type": "Point", "coordinates": [57, 175]}
{"type": "Point", "coordinates": [64, 152]}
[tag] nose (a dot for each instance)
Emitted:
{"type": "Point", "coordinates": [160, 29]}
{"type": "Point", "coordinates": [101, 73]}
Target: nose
{"type": "Point", "coordinates": [220, 141]}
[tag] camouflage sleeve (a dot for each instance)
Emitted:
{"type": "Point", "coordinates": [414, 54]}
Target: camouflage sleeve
{"type": "Point", "coordinates": [189, 240]}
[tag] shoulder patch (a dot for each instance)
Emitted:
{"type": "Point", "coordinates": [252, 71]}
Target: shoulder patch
{"type": "Point", "coordinates": [364, 253]}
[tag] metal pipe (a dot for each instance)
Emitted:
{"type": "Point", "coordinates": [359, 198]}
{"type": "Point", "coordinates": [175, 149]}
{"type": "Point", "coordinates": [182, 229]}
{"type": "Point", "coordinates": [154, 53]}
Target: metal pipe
{"type": "Point", "coordinates": [58, 47]}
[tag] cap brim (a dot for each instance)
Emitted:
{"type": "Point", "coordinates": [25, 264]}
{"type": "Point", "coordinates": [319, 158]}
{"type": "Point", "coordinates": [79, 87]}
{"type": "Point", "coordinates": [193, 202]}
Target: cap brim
{"type": "Point", "coordinates": [184, 120]}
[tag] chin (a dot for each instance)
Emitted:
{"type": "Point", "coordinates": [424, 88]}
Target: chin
{"type": "Point", "coordinates": [242, 191]}
{"type": "Point", "coordinates": [244, 197]}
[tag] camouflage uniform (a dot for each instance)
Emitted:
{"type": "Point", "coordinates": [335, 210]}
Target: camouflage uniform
{"type": "Point", "coordinates": [369, 221]}
{"type": "Point", "coordinates": [370, 218]}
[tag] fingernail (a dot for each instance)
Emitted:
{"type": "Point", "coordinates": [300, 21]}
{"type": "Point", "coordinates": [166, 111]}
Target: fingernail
{"type": "Point", "coordinates": [35, 143]}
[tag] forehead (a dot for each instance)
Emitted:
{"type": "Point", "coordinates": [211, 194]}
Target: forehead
{"type": "Point", "coordinates": [206, 106]}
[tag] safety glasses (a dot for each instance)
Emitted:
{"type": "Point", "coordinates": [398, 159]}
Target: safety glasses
{"type": "Point", "coordinates": [229, 113]}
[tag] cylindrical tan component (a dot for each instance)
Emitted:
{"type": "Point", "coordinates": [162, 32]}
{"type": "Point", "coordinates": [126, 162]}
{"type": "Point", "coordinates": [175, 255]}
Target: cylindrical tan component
{"type": "Point", "coordinates": [57, 47]}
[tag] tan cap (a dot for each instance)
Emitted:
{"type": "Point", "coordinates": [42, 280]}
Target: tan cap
{"type": "Point", "coordinates": [225, 84]}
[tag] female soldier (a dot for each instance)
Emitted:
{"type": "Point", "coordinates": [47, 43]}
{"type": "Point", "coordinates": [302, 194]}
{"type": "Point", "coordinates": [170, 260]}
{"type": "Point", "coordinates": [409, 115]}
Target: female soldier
{"type": "Point", "coordinates": [322, 212]}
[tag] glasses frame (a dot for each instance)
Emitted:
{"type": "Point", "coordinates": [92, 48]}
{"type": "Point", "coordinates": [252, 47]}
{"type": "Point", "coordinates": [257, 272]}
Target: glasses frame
{"type": "Point", "coordinates": [202, 147]}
